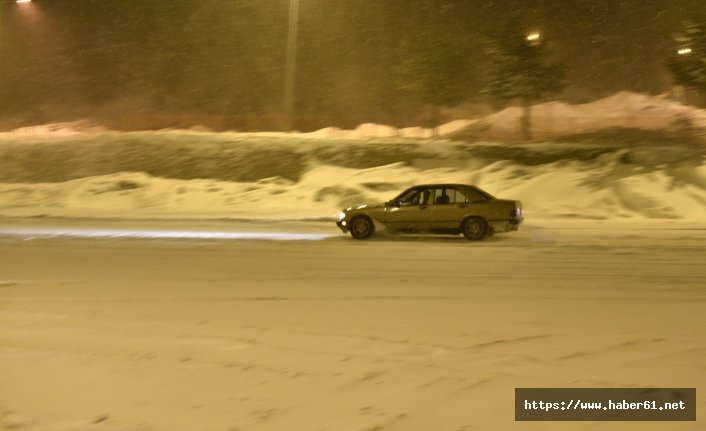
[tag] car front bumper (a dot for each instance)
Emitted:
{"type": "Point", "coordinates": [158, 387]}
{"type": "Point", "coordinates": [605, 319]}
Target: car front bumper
{"type": "Point", "coordinates": [343, 225]}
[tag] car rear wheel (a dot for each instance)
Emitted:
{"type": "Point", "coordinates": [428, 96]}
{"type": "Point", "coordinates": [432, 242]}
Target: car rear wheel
{"type": "Point", "coordinates": [474, 228]}
{"type": "Point", "coordinates": [361, 227]}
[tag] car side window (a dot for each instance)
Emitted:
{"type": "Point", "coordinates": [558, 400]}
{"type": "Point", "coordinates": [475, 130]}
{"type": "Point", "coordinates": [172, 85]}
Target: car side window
{"type": "Point", "coordinates": [424, 200]}
{"type": "Point", "coordinates": [413, 198]}
{"type": "Point", "coordinates": [473, 195]}
{"type": "Point", "coordinates": [457, 197]}
{"type": "Point", "coordinates": [409, 198]}
{"type": "Point", "coordinates": [449, 195]}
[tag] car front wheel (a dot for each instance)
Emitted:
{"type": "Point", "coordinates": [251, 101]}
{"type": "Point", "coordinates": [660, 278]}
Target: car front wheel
{"type": "Point", "coordinates": [474, 228]}
{"type": "Point", "coordinates": [361, 228]}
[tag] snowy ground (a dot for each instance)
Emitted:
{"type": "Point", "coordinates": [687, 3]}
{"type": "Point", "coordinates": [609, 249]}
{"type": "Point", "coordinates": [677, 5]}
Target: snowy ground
{"type": "Point", "coordinates": [107, 333]}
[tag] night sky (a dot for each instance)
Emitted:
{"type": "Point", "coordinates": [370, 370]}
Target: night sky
{"type": "Point", "coordinates": [67, 59]}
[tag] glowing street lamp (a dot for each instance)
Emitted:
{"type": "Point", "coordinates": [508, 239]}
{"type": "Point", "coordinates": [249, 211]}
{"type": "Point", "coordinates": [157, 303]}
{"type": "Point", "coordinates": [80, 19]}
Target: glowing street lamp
{"type": "Point", "coordinates": [684, 51]}
{"type": "Point", "coordinates": [16, 1]}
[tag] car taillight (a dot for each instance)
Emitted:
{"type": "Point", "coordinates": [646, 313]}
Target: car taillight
{"type": "Point", "coordinates": [516, 212]}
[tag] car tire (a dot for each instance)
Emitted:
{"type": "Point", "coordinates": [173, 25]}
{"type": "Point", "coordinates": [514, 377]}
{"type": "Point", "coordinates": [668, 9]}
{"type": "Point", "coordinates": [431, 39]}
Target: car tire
{"type": "Point", "coordinates": [474, 228]}
{"type": "Point", "coordinates": [361, 227]}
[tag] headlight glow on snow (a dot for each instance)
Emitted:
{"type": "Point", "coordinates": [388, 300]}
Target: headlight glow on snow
{"type": "Point", "coordinates": [160, 234]}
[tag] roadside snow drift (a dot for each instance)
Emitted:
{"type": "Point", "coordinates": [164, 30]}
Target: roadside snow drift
{"type": "Point", "coordinates": [185, 175]}
{"type": "Point", "coordinates": [653, 169]}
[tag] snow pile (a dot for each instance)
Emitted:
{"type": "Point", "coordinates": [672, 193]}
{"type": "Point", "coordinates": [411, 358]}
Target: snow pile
{"type": "Point", "coordinates": [549, 119]}
{"type": "Point", "coordinates": [602, 188]}
{"type": "Point", "coordinates": [90, 172]}
{"type": "Point", "coordinates": [372, 130]}
{"type": "Point", "coordinates": [55, 130]}
{"type": "Point", "coordinates": [624, 109]}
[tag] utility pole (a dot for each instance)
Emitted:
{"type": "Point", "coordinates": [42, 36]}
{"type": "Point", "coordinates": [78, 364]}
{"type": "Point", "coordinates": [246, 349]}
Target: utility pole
{"type": "Point", "coordinates": [290, 72]}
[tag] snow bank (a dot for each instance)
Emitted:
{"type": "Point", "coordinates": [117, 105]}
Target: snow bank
{"type": "Point", "coordinates": [77, 169]}
{"type": "Point", "coordinates": [549, 119]}
{"type": "Point", "coordinates": [55, 130]}
{"type": "Point", "coordinates": [602, 188]}
{"type": "Point", "coordinates": [552, 119]}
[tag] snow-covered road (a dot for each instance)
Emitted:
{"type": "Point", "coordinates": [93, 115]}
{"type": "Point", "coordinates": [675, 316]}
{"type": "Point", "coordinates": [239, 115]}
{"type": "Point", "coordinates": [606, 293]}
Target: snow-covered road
{"type": "Point", "coordinates": [315, 331]}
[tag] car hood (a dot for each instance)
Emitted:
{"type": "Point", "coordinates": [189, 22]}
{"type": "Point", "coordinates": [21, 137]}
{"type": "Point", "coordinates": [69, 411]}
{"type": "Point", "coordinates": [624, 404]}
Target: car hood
{"type": "Point", "coordinates": [366, 207]}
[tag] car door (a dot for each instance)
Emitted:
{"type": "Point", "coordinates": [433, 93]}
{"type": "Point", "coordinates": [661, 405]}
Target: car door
{"type": "Point", "coordinates": [448, 207]}
{"type": "Point", "coordinates": [410, 212]}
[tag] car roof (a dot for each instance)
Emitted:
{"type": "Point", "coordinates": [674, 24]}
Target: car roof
{"type": "Point", "coordinates": [424, 186]}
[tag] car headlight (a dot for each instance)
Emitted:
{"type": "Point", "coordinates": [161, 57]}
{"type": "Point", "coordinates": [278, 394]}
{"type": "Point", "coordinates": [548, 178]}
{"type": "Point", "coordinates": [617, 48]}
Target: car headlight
{"type": "Point", "coordinates": [342, 215]}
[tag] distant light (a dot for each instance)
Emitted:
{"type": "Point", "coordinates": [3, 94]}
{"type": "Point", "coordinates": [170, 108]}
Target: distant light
{"type": "Point", "coordinates": [23, 1]}
{"type": "Point", "coordinates": [533, 36]}
{"type": "Point", "coordinates": [684, 51]}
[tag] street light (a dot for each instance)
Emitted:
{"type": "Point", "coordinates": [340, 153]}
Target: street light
{"type": "Point", "coordinates": [291, 63]}
{"type": "Point", "coordinates": [16, 1]}
{"type": "Point", "coordinates": [533, 39]}
{"type": "Point", "coordinates": [684, 51]}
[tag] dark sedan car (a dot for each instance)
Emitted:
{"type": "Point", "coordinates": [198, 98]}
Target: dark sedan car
{"type": "Point", "coordinates": [436, 208]}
